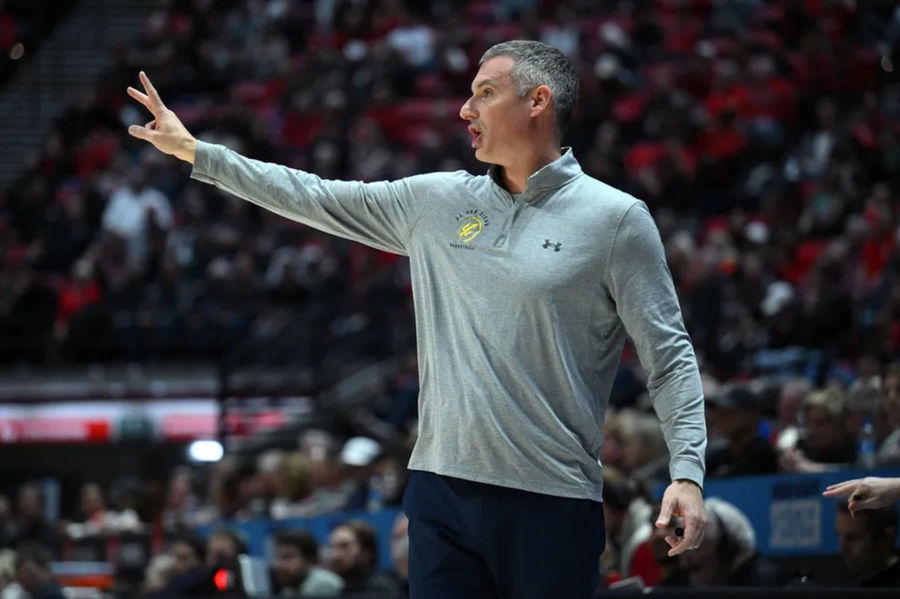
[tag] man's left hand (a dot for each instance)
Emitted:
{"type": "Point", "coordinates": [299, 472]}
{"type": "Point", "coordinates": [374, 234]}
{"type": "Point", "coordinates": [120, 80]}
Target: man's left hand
{"type": "Point", "coordinates": [683, 498]}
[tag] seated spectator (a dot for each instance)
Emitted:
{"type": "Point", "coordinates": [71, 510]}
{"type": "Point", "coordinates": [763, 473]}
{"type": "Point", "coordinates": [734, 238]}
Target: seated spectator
{"type": "Point", "coordinates": [866, 543]}
{"type": "Point", "coordinates": [295, 570]}
{"type": "Point", "coordinates": [188, 553]}
{"type": "Point", "coordinates": [889, 450]}
{"type": "Point", "coordinates": [133, 211]}
{"type": "Point", "coordinates": [33, 572]}
{"type": "Point", "coordinates": [224, 546]}
{"type": "Point", "coordinates": [735, 418]}
{"type": "Point", "coordinates": [790, 402]}
{"type": "Point", "coordinates": [728, 555]}
{"type": "Point", "coordinates": [32, 525]}
{"type": "Point", "coordinates": [354, 552]}
{"type": "Point", "coordinates": [827, 444]}
{"type": "Point", "coordinates": [189, 575]}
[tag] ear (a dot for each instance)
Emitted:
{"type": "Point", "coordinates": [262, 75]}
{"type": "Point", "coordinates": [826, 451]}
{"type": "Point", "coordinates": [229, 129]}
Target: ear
{"type": "Point", "coordinates": [540, 100]}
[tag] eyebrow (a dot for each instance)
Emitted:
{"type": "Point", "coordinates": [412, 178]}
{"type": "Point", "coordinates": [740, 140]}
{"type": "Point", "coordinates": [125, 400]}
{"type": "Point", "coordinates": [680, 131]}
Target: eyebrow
{"type": "Point", "coordinates": [485, 82]}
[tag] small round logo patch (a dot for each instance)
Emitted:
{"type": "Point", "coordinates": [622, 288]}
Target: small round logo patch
{"type": "Point", "coordinates": [469, 228]}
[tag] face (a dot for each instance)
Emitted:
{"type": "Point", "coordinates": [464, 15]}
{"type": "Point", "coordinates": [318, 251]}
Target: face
{"type": "Point", "coordinates": [91, 499]}
{"type": "Point", "coordinates": [346, 554]}
{"type": "Point", "coordinates": [498, 117]}
{"type": "Point", "coordinates": [290, 565]}
{"type": "Point", "coordinates": [823, 433]}
{"type": "Point", "coordinates": [30, 504]}
{"type": "Point", "coordinates": [859, 549]}
{"type": "Point", "coordinates": [220, 548]}
{"type": "Point", "coordinates": [183, 558]}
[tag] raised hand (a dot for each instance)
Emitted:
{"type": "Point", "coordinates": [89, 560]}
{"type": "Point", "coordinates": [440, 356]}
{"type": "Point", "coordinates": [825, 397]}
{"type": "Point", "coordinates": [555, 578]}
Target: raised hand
{"type": "Point", "coordinates": [871, 492]}
{"type": "Point", "coordinates": [166, 131]}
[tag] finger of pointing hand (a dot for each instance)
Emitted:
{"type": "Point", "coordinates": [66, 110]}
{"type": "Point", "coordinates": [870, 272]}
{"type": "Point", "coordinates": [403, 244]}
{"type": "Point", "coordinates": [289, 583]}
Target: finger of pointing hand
{"type": "Point", "coordinates": [151, 91]}
{"type": "Point", "coordinates": [142, 132]}
{"type": "Point", "coordinates": [672, 540]}
{"type": "Point", "coordinates": [665, 513]}
{"type": "Point", "coordinates": [140, 97]}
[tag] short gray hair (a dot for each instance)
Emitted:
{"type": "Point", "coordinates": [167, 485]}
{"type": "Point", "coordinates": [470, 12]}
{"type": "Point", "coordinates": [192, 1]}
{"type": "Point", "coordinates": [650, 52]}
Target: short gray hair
{"type": "Point", "coordinates": [536, 63]}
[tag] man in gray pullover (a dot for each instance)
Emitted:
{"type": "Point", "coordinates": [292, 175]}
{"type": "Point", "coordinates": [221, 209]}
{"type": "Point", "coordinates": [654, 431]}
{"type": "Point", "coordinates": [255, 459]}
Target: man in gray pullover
{"type": "Point", "coordinates": [526, 282]}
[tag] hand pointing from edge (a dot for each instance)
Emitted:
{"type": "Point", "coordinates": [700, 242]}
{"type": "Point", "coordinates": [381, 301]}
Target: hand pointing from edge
{"type": "Point", "coordinates": [871, 492]}
{"type": "Point", "coordinates": [165, 131]}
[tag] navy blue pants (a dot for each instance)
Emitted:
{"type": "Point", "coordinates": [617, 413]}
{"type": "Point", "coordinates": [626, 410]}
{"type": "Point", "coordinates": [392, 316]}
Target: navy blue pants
{"type": "Point", "coordinates": [470, 540]}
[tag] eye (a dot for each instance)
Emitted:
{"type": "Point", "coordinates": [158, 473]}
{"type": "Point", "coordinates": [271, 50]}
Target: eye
{"type": "Point", "coordinates": [487, 92]}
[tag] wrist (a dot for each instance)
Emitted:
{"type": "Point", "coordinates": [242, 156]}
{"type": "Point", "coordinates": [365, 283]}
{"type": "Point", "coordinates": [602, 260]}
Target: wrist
{"type": "Point", "coordinates": [690, 481]}
{"type": "Point", "coordinates": [188, 149]}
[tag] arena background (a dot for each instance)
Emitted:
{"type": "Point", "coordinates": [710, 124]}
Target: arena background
{"type": "Point", "coordinates": [141, 312]}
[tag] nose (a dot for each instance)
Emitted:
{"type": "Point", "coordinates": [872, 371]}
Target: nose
{"type": "Point", "coordinates": [466, 113]}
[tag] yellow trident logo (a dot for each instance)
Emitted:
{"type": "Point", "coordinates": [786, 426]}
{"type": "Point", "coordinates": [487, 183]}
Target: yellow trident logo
{"type": "Point", "coordinates": [470, 228]}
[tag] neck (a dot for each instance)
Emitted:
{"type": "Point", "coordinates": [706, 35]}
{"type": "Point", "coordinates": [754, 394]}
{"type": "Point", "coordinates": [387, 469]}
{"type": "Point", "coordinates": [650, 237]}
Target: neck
{"type": "Point", "coordinates": [515, 177]}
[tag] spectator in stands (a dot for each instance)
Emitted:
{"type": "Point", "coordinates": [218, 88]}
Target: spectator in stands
{"type": "Point", "coordinates": [728, 556]}
{"type": "Point", "coordinates": [224, 546]}
{"type": "Point", "coordinates": [7, 524]}
{"type": "Point", "coordinates": [33, 572]}
{"type": "Point", "coordinates": [189, 575]}
{"type": "Point", "coordinates": [827, 444]}
{"type": "Point", "coordinates": [188, 553]}
{"type": "Point", "coordinates": [866, 543]}
{"type": "Point", "coordinates": [790, 404]}
{"type": "Point", "coordinates": [135, 211]}
{"type": "Point", "coordinates": [354, 553]}
{"type": "Point", "coordinates": [295, 571]}
{"type": "Point", "coordinates": [33, 526]}
{"type": "Point", "coordinates": [889, 450]}
{"type": "Point", "coordinates": [735, 418]}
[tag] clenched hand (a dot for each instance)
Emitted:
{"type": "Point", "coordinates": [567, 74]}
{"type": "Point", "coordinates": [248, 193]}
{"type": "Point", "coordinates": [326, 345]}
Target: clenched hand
{"type": "Point", "coordinates": [165, 131]}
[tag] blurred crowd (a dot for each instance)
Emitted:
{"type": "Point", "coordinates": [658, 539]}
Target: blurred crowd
{"type": "Point", "coordinates": [764, 136]}
{"type": "Point", "coordinates": [23, 27]}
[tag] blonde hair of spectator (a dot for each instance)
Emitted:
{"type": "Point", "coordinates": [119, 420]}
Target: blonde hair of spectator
{"type": "Point", "coordinates": [833, 400]}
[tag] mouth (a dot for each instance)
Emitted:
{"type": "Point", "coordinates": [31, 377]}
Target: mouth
{"type": "Point", "coordinates": [475, 132]}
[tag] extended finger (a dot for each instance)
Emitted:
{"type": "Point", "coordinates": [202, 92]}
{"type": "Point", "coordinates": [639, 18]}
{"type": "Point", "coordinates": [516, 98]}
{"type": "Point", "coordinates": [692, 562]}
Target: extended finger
{"type": "Point", "coordinates": [151, 125]}
{"type": "Point", "coordinates": [665, 512]}
{"type": "Point", "coordinates": [838, 489]}
{"type": "Point", "coordinates": [151, 91]}
{"type": "Point", "coordinates": [142, 133]}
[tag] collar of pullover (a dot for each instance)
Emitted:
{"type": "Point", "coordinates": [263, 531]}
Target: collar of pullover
{"type": "Point", "coordinates": [550, 176]}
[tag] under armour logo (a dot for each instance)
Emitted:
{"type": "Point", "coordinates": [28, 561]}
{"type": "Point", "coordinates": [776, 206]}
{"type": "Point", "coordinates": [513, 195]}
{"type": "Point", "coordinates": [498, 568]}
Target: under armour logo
{"type": "Point", "coordinates": [548, 244]}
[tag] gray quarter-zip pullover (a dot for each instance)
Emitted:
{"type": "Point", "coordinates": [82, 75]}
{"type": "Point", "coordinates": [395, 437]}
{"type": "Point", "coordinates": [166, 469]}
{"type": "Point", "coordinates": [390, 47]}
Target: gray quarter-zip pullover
{"type": "Point", "coordinates": [522, 306]}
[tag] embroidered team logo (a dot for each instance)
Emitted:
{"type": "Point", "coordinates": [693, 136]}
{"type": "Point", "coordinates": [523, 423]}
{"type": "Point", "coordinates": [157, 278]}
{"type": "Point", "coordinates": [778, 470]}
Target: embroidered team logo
{"type": "Point", "coordinates": [470, 224]}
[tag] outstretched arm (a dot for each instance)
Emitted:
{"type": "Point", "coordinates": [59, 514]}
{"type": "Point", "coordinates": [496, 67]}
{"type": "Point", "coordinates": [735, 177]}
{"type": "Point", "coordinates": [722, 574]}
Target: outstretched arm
{"type": "Point", "coordinates": [379, 214]}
